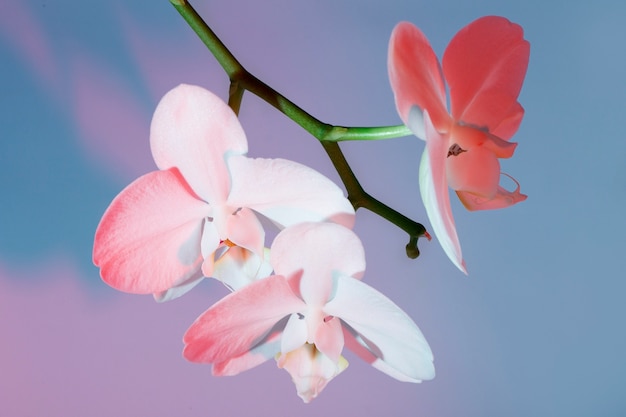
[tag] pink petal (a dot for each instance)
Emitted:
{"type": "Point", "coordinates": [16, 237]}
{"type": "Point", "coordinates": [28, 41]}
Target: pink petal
{"type": "Point", "coordinates": [502, 199]}
{"type": "Point", "coordinates": [329, 337]}
{"type": "Point", "coordinates": [484, 66]}
{"type": "Point", "coordinates": [148, 240]}
{"type": "Point", "coordinates": [179, 289]}
{"type": "Point", "coordinates": [476, 170]}
{"type": "Point", "coordinates": [287, 192]}
{"type": "Point", "coordinates": [240, 321]}
{"type": "Point", "coordinates": [265, 350]}
{"type": "Point", "coordinates": [195, 131]}
{"type": "Point", "coordinates": [207, 266]}
{"type": "Point", "coordinates": [244, 229]}
{"type": "Point", "coordinates": [389, 332]}
{"type": "Point", "coordinates": [415, 75]}
{"type": "Point", "coordinates": [317, 249]}
{"type": "Point", "coordinates": [434, 190]}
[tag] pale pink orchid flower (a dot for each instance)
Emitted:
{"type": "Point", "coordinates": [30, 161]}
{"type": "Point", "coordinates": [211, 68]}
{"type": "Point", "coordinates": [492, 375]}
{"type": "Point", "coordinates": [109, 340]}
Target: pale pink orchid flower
{"type": "Point", "coordinates": [306, 313]}
{"type": "Point", "coordinates": [484, 66]}
{"type": "Point", "coordinates": [197, 215]}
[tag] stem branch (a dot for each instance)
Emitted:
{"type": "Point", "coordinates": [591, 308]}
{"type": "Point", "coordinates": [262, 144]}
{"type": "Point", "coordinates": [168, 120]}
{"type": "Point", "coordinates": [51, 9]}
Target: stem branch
{"type": "Point", "coordinates": [328, 135]}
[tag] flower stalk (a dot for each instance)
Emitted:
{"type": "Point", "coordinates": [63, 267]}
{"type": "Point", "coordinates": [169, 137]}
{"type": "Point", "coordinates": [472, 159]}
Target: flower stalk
{"type": "Point", "coordinates": [328, 135]}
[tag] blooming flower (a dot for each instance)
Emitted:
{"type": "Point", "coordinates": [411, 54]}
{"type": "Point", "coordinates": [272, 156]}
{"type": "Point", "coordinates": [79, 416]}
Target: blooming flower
{"type": "Point", "coordinates": [306, 313]}
{"type": "Point", "coordinates": [484, 66]}
{"type": "Point", "coordinates": [197, 215]}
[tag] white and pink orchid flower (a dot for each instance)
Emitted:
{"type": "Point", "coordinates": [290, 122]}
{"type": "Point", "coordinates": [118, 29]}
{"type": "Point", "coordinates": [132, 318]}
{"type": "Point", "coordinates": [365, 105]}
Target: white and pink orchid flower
{"type": "Point", "coordinates": [315, 298]}
{"type": "Point", "coordinates": [484, 66]}
{"type": "Point", "coordinates": [196, 216]}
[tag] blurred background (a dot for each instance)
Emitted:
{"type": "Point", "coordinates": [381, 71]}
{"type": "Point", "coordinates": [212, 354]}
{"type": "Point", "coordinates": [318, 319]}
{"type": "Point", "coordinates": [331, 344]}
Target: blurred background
{"type": "Point", "coordinates": [536, 329]}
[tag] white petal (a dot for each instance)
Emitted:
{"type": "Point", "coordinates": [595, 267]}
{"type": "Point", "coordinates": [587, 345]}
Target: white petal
{"type": "Point", "coordinates": [389, 332]}
{"type": "Point", "coordinates": [416, 122]}
{"type": "Point", "coordinates": [238, 267]}
{"type": "Point", "coordinates": [435, 194]}
{"type": "Point", "coordinates": [194, 130]}
{"type": "Point", "coordinates": [179, 289]}
{"type": "Point", "coordinates": [287, 192]}
{"type": "Point", "coordinates": [295, 333]}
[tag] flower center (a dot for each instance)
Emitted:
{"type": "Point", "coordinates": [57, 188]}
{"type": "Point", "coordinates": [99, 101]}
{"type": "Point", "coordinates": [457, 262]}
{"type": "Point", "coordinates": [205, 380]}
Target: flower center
{"type": "Point", "coordinates": [455, 150]}
{"type": "Point", "coordinates": [228, 243]}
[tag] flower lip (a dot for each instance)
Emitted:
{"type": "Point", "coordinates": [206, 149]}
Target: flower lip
{"type": "Point", "coordinates": [310, 370]}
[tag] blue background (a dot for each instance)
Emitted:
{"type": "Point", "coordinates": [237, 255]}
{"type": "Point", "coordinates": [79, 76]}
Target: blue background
{"type": "Point", "coordinates": [537, 329]}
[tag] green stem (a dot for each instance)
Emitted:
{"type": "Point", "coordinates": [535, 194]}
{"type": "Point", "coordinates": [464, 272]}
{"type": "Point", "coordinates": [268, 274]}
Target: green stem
{"type": "Point", "coordinates": [328, 135]}
{"type": "Point", "coordinates": [339, 133]}
{"type": "Point", "coordinates": [235, 95]}
{"type": "Point", "coordinates": [360, 198]}
{"type": "Point", "coordinates": [208, 37]}
{"type": "Point", "coordinates": [243, 79]}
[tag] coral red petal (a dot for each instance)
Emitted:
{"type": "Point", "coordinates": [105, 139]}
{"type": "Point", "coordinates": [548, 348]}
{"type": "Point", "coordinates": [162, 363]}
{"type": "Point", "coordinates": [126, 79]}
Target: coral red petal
{"type": "Point", "coordinates": [415, 75]}
{"type": "Point", "coordinates": [468, 137]}
{"type": "Point", "coordinates": [148, 240]}
{"type": "Point", "coordinates": [502, 199]}
{"type": "Point", "coordinates": [240, 321]}
{"type": "Point", "coordinates": [501, 148]}
{"type": "Point", "coordinates": [194, 130]}
{"type": "Point", "coordinates": [434, 191]}
{"type": "Point", "coordinates": [476, 170]}
{"type": "Point", "coordinates": [484, 66]}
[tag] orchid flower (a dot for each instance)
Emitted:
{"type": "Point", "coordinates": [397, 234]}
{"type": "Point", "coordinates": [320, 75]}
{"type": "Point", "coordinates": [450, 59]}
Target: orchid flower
{"type": "Point", "coordinates": [306, 313]}
{"type": "Point", "coordinates": [197, 215]}
{"type": "Point", "coordinates": [484, 66]}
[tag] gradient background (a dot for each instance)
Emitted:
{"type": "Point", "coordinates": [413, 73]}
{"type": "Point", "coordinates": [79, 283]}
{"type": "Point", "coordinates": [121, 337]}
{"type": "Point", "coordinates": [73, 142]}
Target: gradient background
{"type": "Point", "coordinates": [537, 329]}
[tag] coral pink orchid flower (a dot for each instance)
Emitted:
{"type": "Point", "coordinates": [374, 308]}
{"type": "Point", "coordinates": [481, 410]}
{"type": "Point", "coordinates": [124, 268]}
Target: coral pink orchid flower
{"type": "Point", "coordinates": [484, 66]}
{"type": "Point", "coordinates": [317, 299]}
{"type": "Point", "coordinates": [196, 216]}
